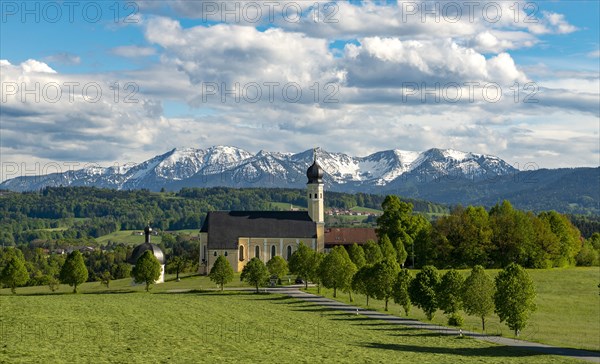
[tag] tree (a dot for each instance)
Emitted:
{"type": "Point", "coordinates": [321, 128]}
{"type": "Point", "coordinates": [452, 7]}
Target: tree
{"type": "Point", "coordinates": [387, 248]}
{"type": "Point", "coordinates": [357, 255]}
{"type": "Point", "coordinates": [478, 293]}
{"type": "Point", "coordinates": [177, 264]}
{"type": "Point", "coordinates": [255, 273]}
{"type": "Point", "coordinates": [105, 279]}
{"type": "Point", "coordinates": [384, 276]}
{"type": "Point", "coordinates": [449, 296]}
{"type": "Point", "coordinates": [315, 274]}
{"type": "Point", "coordinates": [449, 292]}
{"type": "Point", "coordinates": [52, 282]}
{"type": "Point", "coordinates": [400, 290]}
{"type": "Point", "coordinates": [514, 297]}
{"type": "Point", "coordinates": [423, 288]}
{"type": "Point", "coordinates": [14, 273]}
{"type": "Point", "coordinates": [372, 252]}
{"type": "Point", "coordinates": [221, 272]}
{"type": "Point", "coordinates": [146, 269]}
{"type": "Point", "coordinates": [337, 270]}
{"type": "Point", "coordinates": [362, 282]}
{"type": "Point", "coordinates": [74, 272]}
{"type": "Point", "coordinates": [277, 266]}
{"type": "Point", "coordinates": [401, 253]}
{"type": "Point", "coordinates": [302, 262]}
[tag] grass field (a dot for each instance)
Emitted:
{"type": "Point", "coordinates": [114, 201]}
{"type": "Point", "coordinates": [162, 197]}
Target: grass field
{"type": "Point", "coordinates": [568, 312]}
{"type": "Point", "coordinates": [213, 327]}
{"type": "Point", "coordinates": [286, 206]}
{"type": "Point", "coordinates": [366, 209]}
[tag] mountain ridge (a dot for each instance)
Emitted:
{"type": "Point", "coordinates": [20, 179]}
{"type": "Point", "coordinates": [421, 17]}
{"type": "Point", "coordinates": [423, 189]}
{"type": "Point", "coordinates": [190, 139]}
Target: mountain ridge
{"type": "Point", "coordinates": [438, 175]}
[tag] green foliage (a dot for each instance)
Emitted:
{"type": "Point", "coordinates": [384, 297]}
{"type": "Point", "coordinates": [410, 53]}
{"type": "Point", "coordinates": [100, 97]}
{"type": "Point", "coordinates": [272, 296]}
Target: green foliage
{"type": "Point", "coordinates": [372, 252]}
{"type": "Point", "coordinates": [449, 292]}
{"type": "Point", "coordinates": [74, 272]}
{"type": "Point", "coordinates": [52, 282]}
{"type": "Point", "coordinates": [456, 320]}
{"type": "Point", "coordinates": [514, 297]}
{"type": "Point", "coordinates": [337, 270]}
{"type": "Point", "coordinates": [400, 291]}
{"type": "Point", "coordinates": [477, 294]}
{"type": "Point", "coordinates": [363, 282]}
{"type": "Point", "coordinates": [106, 278]}
{"type": "Point", "coordinates": [14, 273]}
{"type": "Point", "coordinates": [357, 255]}
{"type": "Point", "coordinates": [401, 253]}
{"type": "Point", "coordinates": [423, 289]}
{"type": "Point", "coordinates": [588, 256]}
{"type": "Point", "coordinates": [255, 273]}
{"type": "Point", "coordinates": [278, 267]}
{"type": "Point", "coordinates": [387, 249]}
{"type": "Point", "coordinates": [221, 272]}
{"type": "Point", "coordinates": [315, 274]}
{"type": "Point", "coordinates": [385, 274]}
{"type": "Point", "coordinates": [146, 269]}
{"type": "Point", "coordinates": [302, 262]}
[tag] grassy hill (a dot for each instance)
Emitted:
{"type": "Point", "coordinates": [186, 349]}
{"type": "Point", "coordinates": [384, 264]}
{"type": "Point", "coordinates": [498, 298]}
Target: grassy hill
{"type": "Point", "coordinates": [158, 327]}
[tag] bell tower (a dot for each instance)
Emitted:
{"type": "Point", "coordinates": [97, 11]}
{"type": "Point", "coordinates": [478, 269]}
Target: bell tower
{"type": "Point", "coordinates": [314, 190]}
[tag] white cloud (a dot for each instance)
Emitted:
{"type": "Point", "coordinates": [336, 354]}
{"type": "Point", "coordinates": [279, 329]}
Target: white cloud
{"type": "Point", "coordinates": [133, 51]}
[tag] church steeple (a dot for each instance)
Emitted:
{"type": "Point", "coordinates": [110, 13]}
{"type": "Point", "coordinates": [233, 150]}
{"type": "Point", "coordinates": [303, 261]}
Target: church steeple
{"type": "Point", "coordinates": [314, 189]}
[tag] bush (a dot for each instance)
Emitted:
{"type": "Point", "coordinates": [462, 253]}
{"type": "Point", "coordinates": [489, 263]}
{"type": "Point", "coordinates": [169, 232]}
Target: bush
{"type": "Point", "coordinates": [455, 320]}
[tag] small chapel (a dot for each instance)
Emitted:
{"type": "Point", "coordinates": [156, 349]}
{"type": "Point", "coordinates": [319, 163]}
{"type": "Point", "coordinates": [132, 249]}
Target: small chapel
{"type": "Point", "coordinates": [243, 235]}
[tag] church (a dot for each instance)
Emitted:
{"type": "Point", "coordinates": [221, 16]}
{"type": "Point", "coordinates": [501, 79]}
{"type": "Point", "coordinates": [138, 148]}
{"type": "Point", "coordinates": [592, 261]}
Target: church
{"type": "Point", "coordinates": [243, 235]}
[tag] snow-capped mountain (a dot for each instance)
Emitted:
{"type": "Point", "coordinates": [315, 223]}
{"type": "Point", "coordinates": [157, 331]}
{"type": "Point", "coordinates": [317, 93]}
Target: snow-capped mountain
{"type": "Point", "coordinates": [235, 167]}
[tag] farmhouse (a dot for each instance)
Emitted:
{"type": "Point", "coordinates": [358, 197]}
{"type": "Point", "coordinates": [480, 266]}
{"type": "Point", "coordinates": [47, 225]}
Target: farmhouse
{"type": "Point", "coordinates": [243, 235]}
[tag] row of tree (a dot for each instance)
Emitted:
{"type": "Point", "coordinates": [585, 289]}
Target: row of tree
{"type": "Point", "coordinates": [511, 295]}
{"type": "Point", "coordinates": [74, 272]}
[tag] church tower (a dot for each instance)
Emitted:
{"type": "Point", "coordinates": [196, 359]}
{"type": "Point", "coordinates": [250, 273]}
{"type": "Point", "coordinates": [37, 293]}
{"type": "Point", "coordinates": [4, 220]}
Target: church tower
{"type": "Point", "coordinates": [314, 190]}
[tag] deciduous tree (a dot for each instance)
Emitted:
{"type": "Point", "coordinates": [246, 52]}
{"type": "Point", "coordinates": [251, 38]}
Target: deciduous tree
{"type": "Point", "coordinates": [478, 294]}
{"type": "Point", "coordinates": [146, 269]}
{"type": "Point", "coordinates": [73, 271]}
{"type": "Point", "coordinates": [423, 289]}
{"type": "Point", "coordinates": [255, 273]}
{"type": "Point", "coordinates": [400, 290]}
{"type": "Point", "coordinates": [384, 276]}
{"type": "Point", "coordinates": [337, 270]}
{"type": "Point", "coordinates": [277, 266]}
{"type": "Point", "coordinates": [14, 273]}
{"type": "Point", "coordinates": [515, 297]}
{"type": "Point", "coordinates": [221, 272]}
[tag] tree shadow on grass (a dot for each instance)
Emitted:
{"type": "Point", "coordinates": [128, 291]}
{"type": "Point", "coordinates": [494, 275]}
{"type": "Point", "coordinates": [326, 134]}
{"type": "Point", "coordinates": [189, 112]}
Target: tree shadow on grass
{"type": "Point", "coordinates": [491, 351]}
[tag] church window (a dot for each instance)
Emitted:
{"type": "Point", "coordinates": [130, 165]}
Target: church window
{"type": "Point", "coordinates": [272, 251]}
{"type": "Point", "coordinates": [321, 195]}
{"type": "Point", "coordinates": [257, 251]}
{"type": "Point", "coordinates": [225, 253]}
{"type": "Point", "coordinates": [289, 252]}
{"type": "Point", "coordinates": [241, 253]}
{"type": "Point", "coordinates": [215, 254]}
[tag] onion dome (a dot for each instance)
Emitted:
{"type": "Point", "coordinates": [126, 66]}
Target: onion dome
{"type": "Point", "coordinates": [139, 250]}
{"type": "Point", "coordinates": [314, 173]}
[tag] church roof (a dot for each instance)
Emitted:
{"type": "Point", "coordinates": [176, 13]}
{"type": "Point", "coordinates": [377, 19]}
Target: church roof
{"type": "Point", "coordinates": [141, 249]}
{"type": "Point", "coordinates": [348, 236]}
{"type": "Point", "coordinates": [224, 228]}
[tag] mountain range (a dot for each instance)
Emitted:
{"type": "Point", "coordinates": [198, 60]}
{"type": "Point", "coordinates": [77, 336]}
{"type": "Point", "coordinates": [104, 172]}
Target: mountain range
{"type": "Point", "coordinates": [439, 175]}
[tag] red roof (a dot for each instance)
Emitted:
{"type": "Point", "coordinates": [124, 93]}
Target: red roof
{"type": "Point", "coordinates": [349, 236]}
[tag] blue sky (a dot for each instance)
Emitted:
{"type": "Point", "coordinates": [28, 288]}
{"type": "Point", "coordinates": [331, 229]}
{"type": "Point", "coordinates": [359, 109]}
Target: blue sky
{"type": "Point", "coordinates": [366, 56]}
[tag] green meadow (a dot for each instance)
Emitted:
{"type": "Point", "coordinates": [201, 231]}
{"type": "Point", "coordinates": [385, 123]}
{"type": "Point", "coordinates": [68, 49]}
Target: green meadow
{"type": "Point", "coordinates": [568, 309]}
{"type": "Point", "coordinates": [125, 324]}
{"type": "Point", "coordinates": [214, 327]}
